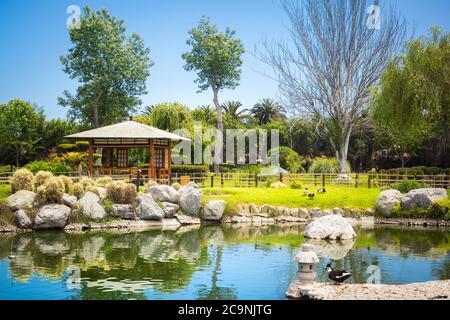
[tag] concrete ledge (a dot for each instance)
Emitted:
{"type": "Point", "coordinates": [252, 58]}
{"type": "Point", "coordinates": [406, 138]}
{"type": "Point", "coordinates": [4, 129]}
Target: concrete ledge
{"type": "Point", "coordinates": [166, 224]}
{"type": "Point", "coordinates": [433, 290]}
{"type": "Point", "coordinates": [413, 222]}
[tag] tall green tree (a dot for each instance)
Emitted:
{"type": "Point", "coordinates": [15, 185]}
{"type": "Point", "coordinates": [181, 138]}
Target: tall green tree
{"type": "Point", "coordinates": [266, 110]}
{"type": "Point", "coordinates": [20, 123]}
{"type": "Point", "coordinates": [110, 66]}
{"type": "Point", "coordinates": [206, 114]}
{"type": "Point", "coordinates": [234, 111]}
{"type": "Point", "coordinates": [216, 57]}
{"type": "Point", "coordinates": [169, 116]}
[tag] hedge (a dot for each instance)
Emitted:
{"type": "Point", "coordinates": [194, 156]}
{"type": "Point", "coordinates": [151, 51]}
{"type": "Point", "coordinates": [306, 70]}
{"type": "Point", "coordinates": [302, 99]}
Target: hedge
{"type": "Point", "coordinates": [189, 169]}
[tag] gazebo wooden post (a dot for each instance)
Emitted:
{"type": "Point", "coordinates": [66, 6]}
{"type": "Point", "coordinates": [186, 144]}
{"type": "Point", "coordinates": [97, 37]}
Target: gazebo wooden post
{"type": "Point", "coordinates": [152, 160]}
{"type": "Point", "coordinates": [91, 159]}
{"type": "Point", "coordinates": [169, 162]}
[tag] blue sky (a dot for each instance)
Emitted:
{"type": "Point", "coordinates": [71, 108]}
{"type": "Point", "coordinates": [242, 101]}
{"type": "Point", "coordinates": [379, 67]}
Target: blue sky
{"type": "Point", "coordinates": [33, 35]}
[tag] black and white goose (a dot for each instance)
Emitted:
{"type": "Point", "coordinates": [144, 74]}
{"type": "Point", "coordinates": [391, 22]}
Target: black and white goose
{"type": "Point", "coordinates": [338, 276]}
{"type": "Point", "coordinates": [305, 192]}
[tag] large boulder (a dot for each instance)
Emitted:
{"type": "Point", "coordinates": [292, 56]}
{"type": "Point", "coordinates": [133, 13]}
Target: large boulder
{"type": "Point", "coordinates": [22, 219]}
{"type": "Point", "coordinates": [422, 198]}
{"type": "Point", "coordinates": [148, 208]}
{"type": "Point", "coordinates": [51, 216]}
{"type": "Point", "coordinates": [69, 200]}
{"type": "Point", "coordinates": [190, 199]}
{"type": "Point", "coordinates": [386, 202]}
{"type": "Point", "coordinates": [213, 211]}
{"type": "Point", "coordinates": [90, 206]}
{"type": "Point", "coordinates": [170, 209]}
{"type": "Point", "coordinates": [123, 211]}
{"type": "Point", "coordinates": [22, 199]}
{"type": "Point", "coordinates": [164, 193]}
{"type": "Point", "coordinates": [331, 227]}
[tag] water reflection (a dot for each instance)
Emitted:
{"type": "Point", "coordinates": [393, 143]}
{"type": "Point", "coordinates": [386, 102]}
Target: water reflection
{"type": "Point", "coordinates": [209, 262]}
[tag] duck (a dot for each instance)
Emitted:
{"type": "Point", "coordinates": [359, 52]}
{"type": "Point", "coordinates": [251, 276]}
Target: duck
{"type": "Point", "coordinates": [336, 275]}
{"type": "Point", "coordinates": [305, 192]}
{"type": "Point", "coordinates": [311, 195]}
{"type": "Point", "coordinates": [321, 190]}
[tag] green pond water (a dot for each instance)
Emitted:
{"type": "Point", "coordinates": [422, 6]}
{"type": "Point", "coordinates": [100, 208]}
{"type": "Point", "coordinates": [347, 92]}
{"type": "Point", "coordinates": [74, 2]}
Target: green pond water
{"type": "Point", "coordinates": [208, 262]}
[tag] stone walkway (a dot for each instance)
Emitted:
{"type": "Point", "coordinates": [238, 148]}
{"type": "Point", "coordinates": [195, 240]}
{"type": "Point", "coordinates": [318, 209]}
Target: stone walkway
{"type": "Point", "coordinates": [433, 290]}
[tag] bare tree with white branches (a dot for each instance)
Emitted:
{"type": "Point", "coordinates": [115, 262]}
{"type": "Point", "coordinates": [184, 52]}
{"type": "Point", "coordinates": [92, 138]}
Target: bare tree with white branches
{"type": "Point", "coordinates": [336, 54]}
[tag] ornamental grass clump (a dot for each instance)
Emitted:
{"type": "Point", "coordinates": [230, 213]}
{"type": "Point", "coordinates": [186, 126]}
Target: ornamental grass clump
{"type": "Point", "coordinates": [278, 185]}
{"type": "Point", "coordinates": [68, 184]}
{"type": "Point", "coordinates": [41, 177]}
{"type": "Point", "coordinates": [22, 179]}
{"type": "Point", "coordinates": [121, 193]}
{"type": "Point", "coordinates": [103, 181]}
{"type": "Point", "coordinates": [52, 191]}
{"type": "Point", "coordinates": [78, 190]}
{"type": "Point", "coordinates": [176, 186]}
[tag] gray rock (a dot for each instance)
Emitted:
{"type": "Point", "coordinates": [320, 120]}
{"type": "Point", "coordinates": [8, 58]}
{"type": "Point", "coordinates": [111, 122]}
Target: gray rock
{"type": "Point", "coordinates": [90, 206]}
{"type": "Point", "coordinates": [170, 209]}
{"type": "Point", "coordinates": [22, 199]}
{"type": "Point", "coordinates": [148, 208]}
{"type": "Point", "coordinates": [265, 208]}
{"type": "Point", "coordinates": [22, 219]}
{"type": "Point", "coordinates": [69, 200]}
{"type": "Point", "coordinates": [332, 227]}
{"type": "Point", "coordinates": [327, 212]}
{"type": "Point", "coordinates": [386, 202]}
{"type": "Point", "coordinates": [51, 216]}
{"type": "Point", "coordinates": [338, 211]}
{"type": "Point", "coordinates": [102, 193]}
{"type": "Point", "coordinates": [190, 199]}
{"type": "Point", "coordinates": [422, 198]}
{"type": "Point", "coordinates": [254, 209]}
{"type": "Point", "coordinates": [316, 213]}
{"type": "Point", "coordinates": [164, 193]}
{"type": "Point", "coordinates": [303, 213]}
{"type": "Point", "coordinates": [123, 211]}
{"type": "Point", "coordinates": [213, 211]}
{"type": "Point", "coordinates": [186, 220]}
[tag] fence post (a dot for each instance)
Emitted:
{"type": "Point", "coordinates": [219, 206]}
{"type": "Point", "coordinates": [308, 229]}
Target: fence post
{"type": "Point", "coordinates": [356, 183]}
{"type": "Point", "coordinates": [212, 181]}
{"type": "Point", "coordinates": [323, 180]}
{"type": "Point", "coordinates": [221, 179]}
{"type": "Point", "coordinates": [315, 179]}
{"type": "Point", "coordinates": [368, 181]}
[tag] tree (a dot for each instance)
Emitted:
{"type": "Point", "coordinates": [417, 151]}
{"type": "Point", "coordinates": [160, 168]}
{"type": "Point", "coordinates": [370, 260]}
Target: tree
{"type": "Point", "coordinates": [170, 116]}
{"type": "Point", "coordinates": [206, 114]}
{"type": "Point", "coordinates": [216, 57]}
{"type": "Point", "coordinates": [19, 125]}
{"type": "Point", "coordinates": [111, 67]}
{"type": "Point", "coordinates": [333, 60]}
{"type": "Point", "coordinates": [267, 110]}
{"type": "Point", "coordinates": [54, 132]}
{"type": "Point", "coordinates": [231, 109]}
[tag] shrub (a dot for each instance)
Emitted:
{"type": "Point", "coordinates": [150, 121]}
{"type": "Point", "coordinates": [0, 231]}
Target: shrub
{"type": "Point", "coordinates": [68, 183]}
{"type": "Point", "coordinates": [93, 189]}
{"type": "Point", "coordinates": [181, 169]}
{"type": "Point", "coordinates": [408, 185]}
{"type": "Point", "coordinates": [326, 165]}
{"type": "Point", "coordinates": [176, 186]}
{"type": "Point", "coordinates": [103, 181]}
{"type": "Point", "coordinates": [295, 185]}
{"type": "Point", "coordinates": [52, 191]}
{"type": "Point", "coordinates": [41, 177]}
{"type": "Point", "coordinates": [86, 182]}
{"type": "Point", "coordinates": [78, 190]}
{"type": "Point", "coordinates": [267, 182]}
{"type": "Point", "coordinates": [22, 179]}
{"type": "Point", "coordinates": [54, 167]}
{"type": "Point", "coordinates": [108, 206]}
{"type": "Point", "coordinates": [278, 185]}
{"type": "Point", "coordinates": [121, 192]}
{"type": "Point", "coordinates": [149, 184]}
{"type": "Point", "coordinates": [6, 215]}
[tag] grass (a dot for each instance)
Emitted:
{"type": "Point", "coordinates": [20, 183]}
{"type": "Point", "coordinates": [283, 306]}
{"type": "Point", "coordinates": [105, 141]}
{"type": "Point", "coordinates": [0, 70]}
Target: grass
{"type": "Point", "coordinates": [357, 198]}
{"type": "Point", "coordinates": [5, 191]}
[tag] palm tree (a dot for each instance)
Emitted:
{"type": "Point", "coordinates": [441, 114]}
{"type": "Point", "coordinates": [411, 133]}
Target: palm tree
{"type": "Point", "coordinates": [231, 109]}
{"type": "Point", "coordinates": [267, 110]}
{"type": "Point", "coordinates": [205, 113]}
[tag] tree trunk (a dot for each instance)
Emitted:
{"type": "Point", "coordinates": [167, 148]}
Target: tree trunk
{"type": "Point", "coordinates": [17, 156]}
{"type": "Point", "coordinates": [218, 150]}
{"type": "Point", "coordinates": [342, 152]}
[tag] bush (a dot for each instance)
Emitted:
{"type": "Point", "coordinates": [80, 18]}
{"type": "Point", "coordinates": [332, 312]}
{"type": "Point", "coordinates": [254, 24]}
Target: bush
{"type": "Point", "coordinates": [176, 186]}
{"type": "Point", "coordinates": [295, 185]}
{"type": "Point", "coordinates": [41, 177]}
{"type": "Point", "coordinates": [93, 189]}
{"type": "Point", "coordinates": [86, 182]}
{"type": "Point", "coordinates": [278, 185]}
{"type": "Point", "coordinates": [182, 169]}
{"type": "Point", "coordinates": [121, 192]}
{"type": "Point", "coordinates": [149, 184]}
{"type": "Point", "coordinates": [267, 182]}
{"type": "Point", "coordinates": [54, 167]}
{"type": "Point", "coordinates": [68, 183]}
{"type": "Point", "coordinates": [108, 206]}
{"type": "Point", "coordinates": [326, 165]}
{"type": "Point", "coordinates": [103, 181]}
{"type": "Point", "coordinates": [78, 190]}
{"type": "Point", "coordinates": [407, 185]}
{"type": "Point", "coordinates": [22, 179]}
{"type": "Point", "coordinates": [52, 191]}
{"type": "Point", "coordinates": [6, 215]}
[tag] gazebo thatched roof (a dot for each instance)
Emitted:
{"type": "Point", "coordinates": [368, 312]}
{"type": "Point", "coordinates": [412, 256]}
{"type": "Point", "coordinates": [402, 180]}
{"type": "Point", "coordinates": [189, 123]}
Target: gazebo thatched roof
{"type": "Point", "coordinates": [127, 130]}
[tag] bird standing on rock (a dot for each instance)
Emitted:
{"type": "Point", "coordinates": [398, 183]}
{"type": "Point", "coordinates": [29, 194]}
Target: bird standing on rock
{"type": "Point", "coordinates": [338, 276]}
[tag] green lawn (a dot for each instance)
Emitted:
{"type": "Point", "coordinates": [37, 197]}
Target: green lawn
{"type": "Point", "coordinates": [5, 191]}
{"type": "Point", "coordinates": [358, 198]}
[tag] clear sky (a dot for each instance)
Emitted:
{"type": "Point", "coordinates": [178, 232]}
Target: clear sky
{"type": "Point", "coordinates": [33, 35]}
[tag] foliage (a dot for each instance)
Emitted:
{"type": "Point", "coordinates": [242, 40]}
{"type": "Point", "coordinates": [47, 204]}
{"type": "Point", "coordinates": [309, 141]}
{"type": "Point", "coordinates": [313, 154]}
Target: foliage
{"type": "Point", "coordinates": [189, 168]}
{"type": "Point", "coordinates": [19, 128]}
{"type": "Point", "coordinates": [206, 114]}
{"type": "Point", "coordinates": [6, 215]}
{"type": "Point", "coordinates": [290, 160]}
{"type": "Point", "coordinates": [232, 112]}
{"type": "Point", "coordinates": [41, 177]}
{"type": "Point", "coordinates": [86, 182]}
{"type": "Point", "coordinates": [78, 190]}
{"type": "Point", "coordinates": [111, 67]}
{"type": "Point", "coordinates": [176, 186]}
{"type": "Point", "coordinates": [295, 185]}
{"type": "Point", "coordinates": [440, 209]}
{"type": "Point", "coordinates": [52, 191]}
{"type": "Point", "coordinates": [22, 179]}
{"type": "Point", "coordinates": [103, 181]}
{"type": "Point", "coordinates": [170, 116]}
{"type": "Point", "coordinates": [407, 185]}
{"type": "Point", "coordinates": [42, 165]}
{"type": "Point", "coordinates": [149, 184]}
{"type": "Point", "coordinates": [121, 192]}
{"type": "Point", "coordinates": [278, 185]}
{"type": "Point", "coordinates": [54, 132]}
{"type": "Point", "coordinates": [267, 110]}
{"type": "Point", "coordinates": [108, 206]}
{"type": "Point", "coordinates": [326, 165]}
{"type": "Point", "coordinates": [94, 189]}
{"type": "Point", "coordinates": [68, 183]}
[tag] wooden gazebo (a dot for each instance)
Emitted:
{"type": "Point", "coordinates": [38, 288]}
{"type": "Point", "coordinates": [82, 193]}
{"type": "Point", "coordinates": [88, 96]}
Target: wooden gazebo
{"type": "Point", "coordinates": [114, 141]}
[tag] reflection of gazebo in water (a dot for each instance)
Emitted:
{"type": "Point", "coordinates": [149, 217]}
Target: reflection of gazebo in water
{"type": "Point", "coordinates": [115, 142]}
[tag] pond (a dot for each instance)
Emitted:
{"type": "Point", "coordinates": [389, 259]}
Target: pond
{"type": "Point", "coordinates": [208, 262]}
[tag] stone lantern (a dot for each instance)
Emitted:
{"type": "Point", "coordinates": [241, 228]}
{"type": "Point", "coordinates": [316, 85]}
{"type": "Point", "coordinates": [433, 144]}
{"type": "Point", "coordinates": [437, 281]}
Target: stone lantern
{"type": "Point", "coordinates": [307, 261]}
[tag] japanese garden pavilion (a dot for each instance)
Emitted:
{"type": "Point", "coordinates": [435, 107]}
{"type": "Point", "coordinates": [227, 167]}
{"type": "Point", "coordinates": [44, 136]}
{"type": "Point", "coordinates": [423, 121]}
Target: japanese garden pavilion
{"type": "Point", "coordinates": [115, 141]}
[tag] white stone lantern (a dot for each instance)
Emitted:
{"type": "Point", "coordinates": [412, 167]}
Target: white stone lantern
{"type": "Point", "coordinates": [307, 261]}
